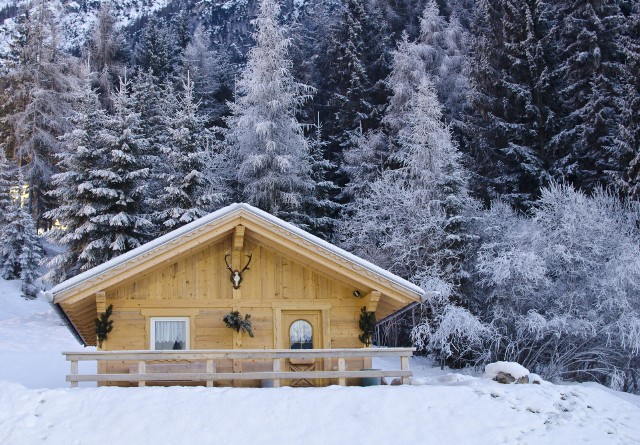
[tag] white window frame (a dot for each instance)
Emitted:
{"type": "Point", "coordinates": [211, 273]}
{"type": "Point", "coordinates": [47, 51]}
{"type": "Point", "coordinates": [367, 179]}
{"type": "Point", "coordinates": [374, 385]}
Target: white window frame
{"type": "Point", "coordinates": [152, 330]}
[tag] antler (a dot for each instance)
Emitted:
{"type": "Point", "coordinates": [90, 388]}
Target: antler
{"type": "Point", "coordinates": [236, 275]}
{"type": "Point", "coordinates": [228, 254]}
{"type": "Point", "coordinates": [248, 262]}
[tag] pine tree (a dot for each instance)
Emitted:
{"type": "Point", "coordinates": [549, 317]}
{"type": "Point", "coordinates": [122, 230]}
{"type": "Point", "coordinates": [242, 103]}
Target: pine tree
{"type": "Point", "coordinates": [353, 65]}
{"type": "Point", "coordinates": [157, 52]}
{"type": "Point", "coordinates": [40, 78]}
{"type": "Point", "coordinates": [21, 251]}
{"type": "Point", "coordinates": [79, 185]}
{"type": "Point", "coordinates": [119, 220]}
{"type": "Point", "coordinates": [6, 181]}
{"type": "Point", "coordinates": [629, 128]}
{"type": "Point", "coordinates": [107, 54]}
{"type": "Point", "coordinates": [183, 197]}
{"type": "Point", "coordinates": [590, 87]}
{"type": "Point", "coordinates": [511, 126]}
{"type": "Point", "coordinates": [265, 140]}
{"type": "Point", "coordinates": [212, 75]}
{"type": "Point", "coordinates": [414, 221]}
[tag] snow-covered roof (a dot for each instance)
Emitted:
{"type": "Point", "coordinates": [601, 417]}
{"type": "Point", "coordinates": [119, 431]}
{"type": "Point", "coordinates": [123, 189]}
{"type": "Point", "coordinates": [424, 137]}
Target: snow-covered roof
{"type": "Point", "coordinates": [225, 212]}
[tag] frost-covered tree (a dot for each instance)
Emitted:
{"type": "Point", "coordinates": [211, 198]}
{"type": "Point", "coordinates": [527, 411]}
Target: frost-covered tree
{"type": "Point", "coordinates": [439, 51]}
{"type": "Point", "coordinates": [119, 220]}
{"type": "Point", "coordinates": [265, 141]}
{"type": "Point", "coordinates": [40, 79]}
{"type": "Point", "coordinates": [560, 289]}
{"type": "Point", "coordinates": [6, 182]}
{"type": "Point", "coordinates": [590, 76]}
{"type": "Point", "coordinates": [413, 220]}
{"type": "Point", "coordinates": [21, 251]}
{"type": "Point", "coordinates": [212, 75]}
{"type": "Point", "coordinates": [182, 197]}
{"type": "Point", "coordinates": [629, 128]}
{"type": "Point", "coordinates": [510, 125]}
{"type": "Point", "coordinates": [156, 51]}
{"type": "Point", "coordinates": [352, 66]}
{"type": "Point", "coordinates": [107, 54]}
{"type": "Point", "coordinates": [79, 185]}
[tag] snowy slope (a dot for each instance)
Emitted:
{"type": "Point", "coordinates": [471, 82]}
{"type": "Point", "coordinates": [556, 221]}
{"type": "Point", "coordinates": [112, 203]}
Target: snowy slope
{"type": "Point", "coordinates": [32, 337]}
{"type": "Point", "coordinates": [75, 21]}
{"type": "Point", "coordinates": [446, 407]}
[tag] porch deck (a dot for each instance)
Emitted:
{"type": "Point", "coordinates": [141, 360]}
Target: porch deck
{"type": "Point", "coordinates": [201, 365]}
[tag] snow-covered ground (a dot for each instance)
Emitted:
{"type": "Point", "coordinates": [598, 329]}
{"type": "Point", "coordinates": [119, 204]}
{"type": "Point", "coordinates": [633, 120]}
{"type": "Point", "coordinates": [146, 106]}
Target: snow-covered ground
{"type": "Point", "coordinates": [36, 406]}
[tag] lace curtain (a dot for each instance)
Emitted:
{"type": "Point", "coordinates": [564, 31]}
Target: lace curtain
{"type": "Point", "coordinates": [170, 335]}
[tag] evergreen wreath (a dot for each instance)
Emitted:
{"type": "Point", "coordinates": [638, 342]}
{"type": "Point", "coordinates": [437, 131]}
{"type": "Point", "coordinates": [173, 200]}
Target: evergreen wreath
{"type": "Point", "coordinates": [104, 325]}
{"type": "Point", "coordinates": [235, 321]}
{"type": "Point", "coordinates": [367, 326]}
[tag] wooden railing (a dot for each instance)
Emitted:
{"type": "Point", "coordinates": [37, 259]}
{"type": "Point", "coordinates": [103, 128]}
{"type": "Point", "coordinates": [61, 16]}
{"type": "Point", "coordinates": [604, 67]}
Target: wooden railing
{"type": "Point", "coordinates": [201, 366]}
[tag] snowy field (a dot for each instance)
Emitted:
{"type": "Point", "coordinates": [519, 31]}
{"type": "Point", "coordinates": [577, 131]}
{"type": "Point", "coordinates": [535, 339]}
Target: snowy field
{"type": "Point", "coordinates": [36, 405]}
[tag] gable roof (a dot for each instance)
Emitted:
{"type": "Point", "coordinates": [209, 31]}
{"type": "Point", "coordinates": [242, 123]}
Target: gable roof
{"type": "Point", "coordinates": [92, 278]}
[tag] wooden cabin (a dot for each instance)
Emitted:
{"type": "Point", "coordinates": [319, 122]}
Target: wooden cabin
{"type": "Point", "coordinates": [173, 293]}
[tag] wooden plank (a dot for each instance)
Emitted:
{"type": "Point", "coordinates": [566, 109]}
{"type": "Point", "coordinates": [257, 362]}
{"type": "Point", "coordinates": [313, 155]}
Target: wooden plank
{"type": "Point", "coordinates": [240, 354]}
{"type": "Point", "coordinates": [74, 372]}
{"type": "Point", "coordinates": [142, 370]}
{"type": "Point", "coordinates": [211, 368]}
{"type": "Point", "coordinates": [276, 369]}
{"type": "Point", "coordinates": [372, 300]}
{"type": "Point", "coordinates": [101, 302]}
{"type": "Point", "coordinates": [342, 366]}
{"type": "Point", "coordinates": [404, 366]}
{"type": "Point", "coordinates": [238, 238]}
{"type": "Point", "coordinates": [260, 375]}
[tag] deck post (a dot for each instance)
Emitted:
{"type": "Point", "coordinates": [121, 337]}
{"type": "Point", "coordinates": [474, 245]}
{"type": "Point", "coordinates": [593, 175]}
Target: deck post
{"type": "Point", "coordinates": [142, 369]}
{"type": "Point", "coordinates": [276, 368]}
{"type": "Point", "coordinates": [404, 366]}
{"type": "Point", "coordinates": [74, 372]}
{"type": "Point", "coordinates": [342, 366]}
{"type": "Point", "coordinates": [211, 368]}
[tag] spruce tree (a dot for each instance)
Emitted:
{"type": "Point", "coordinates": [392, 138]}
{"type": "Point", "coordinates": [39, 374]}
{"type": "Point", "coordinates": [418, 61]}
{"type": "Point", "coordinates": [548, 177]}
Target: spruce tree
{"type": "Point", "coordinates": [40, 79]}
{"type": "Point", "coordinates": [157, 52]}
{"type": "Point", "coordinates": [353, 64]}
{"type": "Point", "coordinates": [119, 221]}
{"type": "Point", "coordinates": [212, 75]}
{"type": "Point", "coordinates": [590, 86]}
{"type": "Point", "coordinates": [107, 54]}
{"type": "Point", "coordinates": [21, 251]}
{"type": "Point", "coordinates": [182, 197]}
{"type": "Point", "coordinates": [629, 128]}
{"type": "Point", "coordinates": [265, 140]}
{"type": "Point", "coordinates": [321, 208]}
{"type": "Point", "coordinates": [415, 219]}
{"type": "Point", "coordinates": [30, 258]}
{"type": "Point", "coordinates": [79, 186]}
{"type": "Point", "coordinates": [510, 128]}
{"type": "Point", "coordinates": [6, 182]}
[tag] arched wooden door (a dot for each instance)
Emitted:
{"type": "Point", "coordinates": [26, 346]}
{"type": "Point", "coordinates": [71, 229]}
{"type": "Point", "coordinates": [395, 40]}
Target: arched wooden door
{"type": "Point", "coordinates": [302, 330]}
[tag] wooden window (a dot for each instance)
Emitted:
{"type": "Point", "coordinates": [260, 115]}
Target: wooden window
{"type": "Point", "coordinates": [169, 333]}
{"type": "Point", "coordinates": [301, 335]}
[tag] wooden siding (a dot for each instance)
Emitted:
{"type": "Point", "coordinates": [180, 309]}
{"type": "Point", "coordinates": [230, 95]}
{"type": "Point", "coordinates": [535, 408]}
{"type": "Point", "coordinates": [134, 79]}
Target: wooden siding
{"type": "Point", "coordinates": [198, 286]}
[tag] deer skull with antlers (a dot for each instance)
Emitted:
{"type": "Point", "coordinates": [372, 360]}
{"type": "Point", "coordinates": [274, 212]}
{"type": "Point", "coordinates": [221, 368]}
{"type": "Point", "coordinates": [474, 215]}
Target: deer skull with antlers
{"type": "Point", "coordinates": [236, 275]}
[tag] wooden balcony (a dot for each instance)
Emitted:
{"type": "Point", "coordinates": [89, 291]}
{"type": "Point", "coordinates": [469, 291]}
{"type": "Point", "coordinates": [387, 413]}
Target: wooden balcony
{"type": "Point", "coordinates": [200, 365]}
